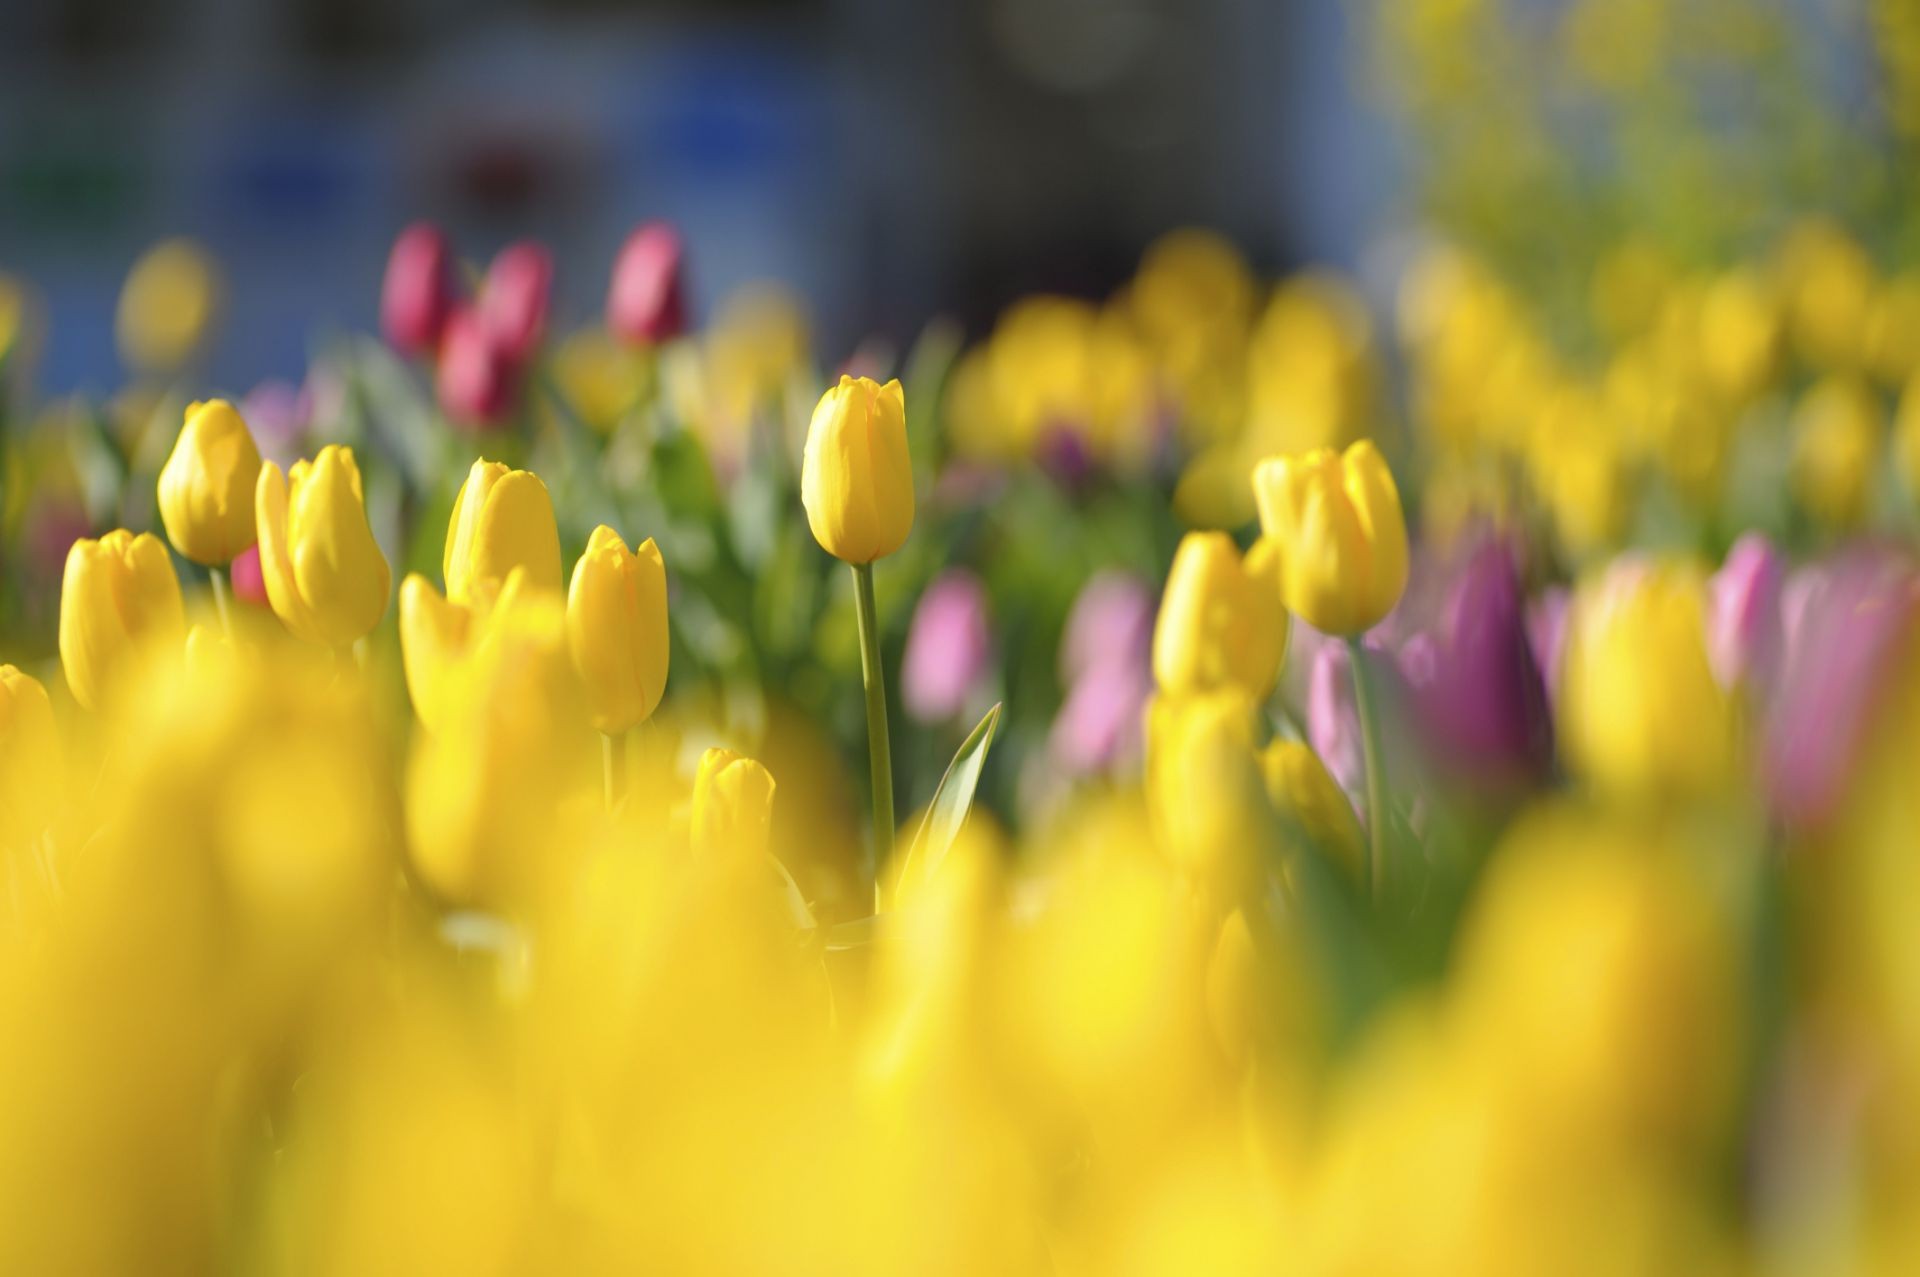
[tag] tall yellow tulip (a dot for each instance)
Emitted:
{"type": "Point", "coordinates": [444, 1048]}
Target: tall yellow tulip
{"type": "Point", "coordinates": [732, 805]}
{"type": "Point", "coordinates": [207, 485]}
{"type": "Point", "coordinates": [855, 479]}
{"type": "Point", "coordinates": [617, 629]}
{"type": "Point", "coordinates": [119, 593]}
{"type": "Point", "coordinates": [1342, 536]}
{"type": "Point", "coordinates": [325, 575]}
{"type": "Point", "coordinates": [1221, 623]}
{"type": "Point", "coordinates": [502, 519]}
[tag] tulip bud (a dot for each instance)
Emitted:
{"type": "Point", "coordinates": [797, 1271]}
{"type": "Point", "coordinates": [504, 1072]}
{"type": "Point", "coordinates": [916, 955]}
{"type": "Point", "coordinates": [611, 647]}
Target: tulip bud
{"type": "Point", "coordinates": [948, 646]}
{"type": "Point", "coordinates": [1637, 666]}
{"type": "Point", "coordinates": [855, 479]}
{"type": "Point", "coordinates": [513, 300]}
{"type": "Point", "coordinates": [206, 487]}
{"type": "Point", "coordinates": [646, 303]}
{"type": "Point", "coordinates": [1205, 793]}
{"type": "Point", "coordinates": [617, 629]}
{"type": "Point", "coordinates": [325, 575]}
{"type": "Point", "coordinates": [1301, 788]}
{"type": "Point", "coordinates": [502, 519]}
{"type": "Point", "coordinates": [1342, 537]}
{"type": "Point", "coordinates": [1221, 623]}
{"type": "Point", "coordinates": [29, 758]}
{"type": "Point", "coordinates": [167, 306]}
{"type": "Point", "coordinates": [732, 805]}
{"type": "Point", "coordinates": [476, 380]}
{"type": "Point", "coordinates": [119, 593]}
{"type": "Point", "coordinates": [417, 295]}
{"type": "Point", "coordinates": [1836, 451]}
{"type": "Point", "coordinates": [1745, 636]}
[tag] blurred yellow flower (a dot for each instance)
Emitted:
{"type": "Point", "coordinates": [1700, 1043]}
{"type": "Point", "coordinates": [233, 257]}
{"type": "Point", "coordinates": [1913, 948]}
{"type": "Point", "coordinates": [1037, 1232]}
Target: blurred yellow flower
{"type": "Point", "coordinates": [1304, 791]}
{"type": "Point", "coordinates": [167, 306]}
{"type": "Point", "coordinates": [29, 758]}
{"type": "Point", "coordinates": [617, 629]}
{"type": "Point", "coordinates": [1205, 794]}
{"type": "Point", "coordinates": [502, 519]}
{"type": "Point", "coordinates": [732, 805]}
{"type": "Point", "coordinates": [1827, 282]}
{"type": "Point", "coordinates": [119, 594]}
{"type": "Point", "coordinates": [1311, 368]}
{"type": "Point", "coordinates": [1221, 623]}
{"type": "Point", "coordinates": [1342, 537]}
{"type": "Point", "coordinates": [207, 486]}
{"type": "Point", "coordinates": [325, 575]}
{"type": "Point", "coordinates": [855, 479]}
{"type": "Point", "coordinates": [1836, 451]}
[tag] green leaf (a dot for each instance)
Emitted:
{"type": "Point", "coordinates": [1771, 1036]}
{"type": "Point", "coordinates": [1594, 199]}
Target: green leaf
{"type": "Point", "coordinates": [952, 802]}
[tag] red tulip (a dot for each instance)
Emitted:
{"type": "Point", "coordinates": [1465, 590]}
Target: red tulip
{"type": "Point", "coordinates": [646, 302]}
{"type": "Point", "coordinates": [478, 375]}
{"type": "Point", "coordinates": [418, 292]}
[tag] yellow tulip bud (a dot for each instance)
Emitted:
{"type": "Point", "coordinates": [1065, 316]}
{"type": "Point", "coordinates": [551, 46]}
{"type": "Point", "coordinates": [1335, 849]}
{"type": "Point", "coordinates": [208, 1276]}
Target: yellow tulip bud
{"type": "Point", "coordinates": [119, 593]}
{"type": "Point", "coordinates": [617, 629]}
{"type": "Point", "coordinates": [1636, 665]}
{"type": "Point", "coordinates": [1221, 623]}
{"type": "Point", "coordinates": [1301, 788]}
{"type": "Point", "coordinates": [855, 479]}
{"type": "Point", "coordinates": [325, 575]}
{"type": "Point", "coordinates": [167, 305]}
{"type": "Point", "coordinates": [29, 757]}
{"type": "Point", "coordinates": [206, 487]}
{"type": "Point", "coordinates": [438, 638]}
{"type": "Point", "coordinates": [1342, 537]}
{"type": "Point", "coordinates": [502, 519]}
{"type": "Point", "coordinates": [732, 805]}
{"type": "Point", "coordinates": [1204, 790]}
{"type": "Point", "coordinates": [1836, 451]}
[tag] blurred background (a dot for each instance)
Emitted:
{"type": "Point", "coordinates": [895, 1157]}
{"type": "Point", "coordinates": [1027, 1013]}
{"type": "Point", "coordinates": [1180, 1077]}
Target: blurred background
{"type": "Point", "coordinates": [889, 161]}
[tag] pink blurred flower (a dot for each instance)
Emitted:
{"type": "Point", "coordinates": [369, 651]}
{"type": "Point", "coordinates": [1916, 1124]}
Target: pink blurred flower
{"type": "Point", "coordinates": [478, 379]}
{"type": "Point", "coordinates": [249, 586]}
{"type": "Point", "coordinates": [418, 293]}
{"type": "Point", "coordinates": [1105, 664]}
{"type": "Point", "coordinates": [949, 648]}
{"type": "Point", "coordinates": [646, 300]}
{"type": "Point", "coordinates": [514, 299]}
{"type": "Point", "coordinates": [1745, 630]}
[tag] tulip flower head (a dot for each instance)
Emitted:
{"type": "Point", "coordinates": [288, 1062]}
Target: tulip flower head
{"type": "Point", "coordinates": [646, 302]}
{"type": "Point", "coordinates": [206, 487]}
{"type": "Point", "coordinates": [502, 519]}
{"type": "Point", "coordinates": [1205, 792]}
{"type": "Point", "coordinates": [1836, 451]}
{"type": "Point", "coordinates": [514, 299]}
{"type": "Point", "coordinates": [325, 575]}
{"type": "Point", "coordinates": [417, 295]}
{"type": "Point", "coordinates": [119, 593]}
{"type": "Point", "coordinates": [1343, 540]}
{"type": "Point", "coordinates": [167, 306]}
{"type": "Point", "coordinates": [477, 379]}
{"type": "Point", "coordinates": [1221, 623]}
{"type": "Point", "coordinates": [29, 757]}
{"type": "Point", "coordinates": [438, 637]}
{"type": "Point", "coordinates": [617, 629]}
{"type": "Point", "coordinates": [732, 805]}
{"type": "Point", "coordinates": [855, 478]}
{"type": "Point", "coordinates": [949, 647]}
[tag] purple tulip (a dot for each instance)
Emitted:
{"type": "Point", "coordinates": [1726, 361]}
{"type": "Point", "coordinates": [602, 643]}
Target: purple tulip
{"type": "Point", "coordinates": [513, 301]}
{"type": "Point", "coordinates": [1476, 689]}
{"type": "Point", "coordinates": [949, 648]}
{"type": "Point", "coordinates": [646, 299]}
{"type": "Point", "coordinates": [1745, 631]}
{"type": "Point", "coordinates": [418, 293]}
{"type": "Point", "coordinates": [1848, 622]}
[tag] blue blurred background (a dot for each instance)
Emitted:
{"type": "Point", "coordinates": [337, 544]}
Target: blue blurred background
{"type": "Point", "coordinates": [890, 160]}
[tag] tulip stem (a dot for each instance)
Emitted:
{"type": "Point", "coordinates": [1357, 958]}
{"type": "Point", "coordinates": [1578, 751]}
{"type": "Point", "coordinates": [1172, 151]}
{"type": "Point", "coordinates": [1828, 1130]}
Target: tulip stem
{"type": "Point", "coordinates": [613, 758]}
{"type": "Point", "coordinates": [879, 751]}
{"type": "Point", "coordinates": [217, 577]}
{"type": "Point", "coordinates": [1376, 771]}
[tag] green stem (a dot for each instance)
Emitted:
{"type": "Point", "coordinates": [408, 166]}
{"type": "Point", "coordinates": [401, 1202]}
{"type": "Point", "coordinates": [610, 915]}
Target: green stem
{"type": "Point", "coordinates": [217, 577]}
{"type": "Point", "coordinates": [878, 750]}
{"type": "Point", "coordinates": [613, 758]}
{"type": "Point", "coordinates": [1376, 769]}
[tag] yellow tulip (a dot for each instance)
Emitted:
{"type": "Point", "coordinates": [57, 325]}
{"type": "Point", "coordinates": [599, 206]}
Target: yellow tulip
{"type": "Point", "coordinates": [206, 487]}
{"type": "Point", "coordinates": [1300, 787]}
{"type": "Point", "coordinates": [1221, 623]}
{"type": "Point", "coordinates": [29, 757]}
{"type": "Point", "coordinates": [1205, 795]}
{"type": "Point", "coordinates": [167, 305]}
{"type": "Point", "coordinates": [325, 575]}
{"type": "Point", "coordinates": [119, 593]}
{"type": "Point", "coordinates": [502, 519]}
{"type": "Point", "coordinates": [1836, 451]}
{"type": "Point", "coordinates": [1636, 666]}
{"type": "Point", "coordinates": [732, 805]}
{"type": "Point", "coordinates": [855, 479]}
{"type": "Point", "coordinates": [1342, 537]}
{"type": "Point", "coordinates": [1906, 436]}
{"type": "Point", "coordinates": [617, 629]}
{"type": "Point", "coordinates": [438, 638]}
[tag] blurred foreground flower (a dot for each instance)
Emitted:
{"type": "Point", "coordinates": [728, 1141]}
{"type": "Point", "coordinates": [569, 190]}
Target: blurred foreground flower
{"type": "Point", "coordinates": [119, 595]}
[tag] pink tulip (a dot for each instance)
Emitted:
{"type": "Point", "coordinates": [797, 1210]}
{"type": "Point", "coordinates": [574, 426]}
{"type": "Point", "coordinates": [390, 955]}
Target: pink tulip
{"type": "Point", "coordinates": [514, 299]}
{"type": "Point", "coordinates": [478, 379]}
{"type": "Point", "coordinates": [646, 301]}
{"type": "Point", "coordinates": [949, 648]}
{"type": "Point", "coordinates": [418, 293]}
